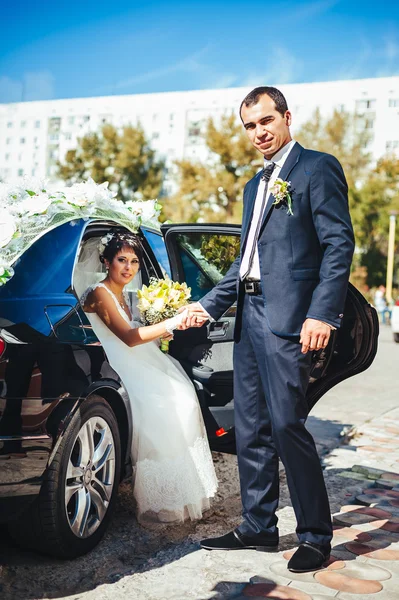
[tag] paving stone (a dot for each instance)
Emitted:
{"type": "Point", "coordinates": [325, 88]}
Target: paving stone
{"type": "Point", "coordinates": [342, 583]}
{"type": "Point", "coordinates": [383, 595]}
{"type": "Point", "coordinates": [314, 589]}
{"type": "Point", "coordinates": [271, 590]}
{"type": "Point", "coordinates": [371, 499]}
{"type": "Point", "coordinates": [390, 526]}
{"type": "Point", "coordinates": [341, 534]}
{"type": "Point", "coordinates": [372, 511]}
{"type": "Point", "coordinates": [375, 491]}
{"type": "Point", "coordinates": [365, 571]}
{"type": "Point", "coordinates": [384, 484]}
{"type": "Point", "coordinates": [369, 471]}
{"type": "Point", "coordinates": [370, 552]}
{"type": "Point", "coordinates": [353, 518]}
{"type": "Point", "coordinates": [352, 475]}
{"type": "Point", "coordinates": [391, 475]}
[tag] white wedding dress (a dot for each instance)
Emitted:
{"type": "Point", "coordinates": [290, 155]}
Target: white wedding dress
{"type": "Point", "coordinates": [174, 476]}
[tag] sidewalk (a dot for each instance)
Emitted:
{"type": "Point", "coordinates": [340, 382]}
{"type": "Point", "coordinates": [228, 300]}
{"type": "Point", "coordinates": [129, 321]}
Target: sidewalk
{"type": "Point", "coordinates": [363, 481]}
{"type": "Point", "coordinates": [362, 477]}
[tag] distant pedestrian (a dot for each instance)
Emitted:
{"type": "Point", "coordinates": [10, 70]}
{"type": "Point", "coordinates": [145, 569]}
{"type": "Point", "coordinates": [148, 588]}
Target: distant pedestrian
{"type": "Point", "coordinates": [380, 304]}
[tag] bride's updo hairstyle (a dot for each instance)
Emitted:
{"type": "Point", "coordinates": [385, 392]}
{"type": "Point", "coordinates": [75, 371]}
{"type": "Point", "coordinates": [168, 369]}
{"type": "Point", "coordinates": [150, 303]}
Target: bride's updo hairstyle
{"type": "Point", "coordinates": [114, 242]}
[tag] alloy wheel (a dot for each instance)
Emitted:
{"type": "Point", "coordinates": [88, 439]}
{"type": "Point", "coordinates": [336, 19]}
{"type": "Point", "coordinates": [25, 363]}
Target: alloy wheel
{"type": "Point", "coordinates": [90, 477]}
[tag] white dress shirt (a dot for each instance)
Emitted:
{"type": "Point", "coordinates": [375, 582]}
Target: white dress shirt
{"type": "Point", "coordinates": [279, 159]}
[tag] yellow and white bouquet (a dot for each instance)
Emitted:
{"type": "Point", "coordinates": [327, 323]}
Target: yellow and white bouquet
{"type": "Point", "coordinates": [161, 300]}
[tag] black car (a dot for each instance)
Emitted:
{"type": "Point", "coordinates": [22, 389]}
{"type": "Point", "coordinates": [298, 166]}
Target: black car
{"type": "Point", "coordinates": [65, 431]}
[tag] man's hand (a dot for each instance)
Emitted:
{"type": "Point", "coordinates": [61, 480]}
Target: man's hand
{"type": "Point", "coordinates": [196, 316]}
{"type": "Point", "coordinates": [314, 335]}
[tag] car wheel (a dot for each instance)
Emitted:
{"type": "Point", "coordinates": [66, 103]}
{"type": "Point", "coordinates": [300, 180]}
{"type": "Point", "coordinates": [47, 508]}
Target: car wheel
{"type": "Point", "coordinates": [396, 337]}
{"type": "Point", "coordinates": [77, 496]}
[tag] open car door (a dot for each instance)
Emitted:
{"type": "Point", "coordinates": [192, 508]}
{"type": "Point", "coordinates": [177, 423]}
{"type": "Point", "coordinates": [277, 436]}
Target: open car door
{"type": "Point", "coordinates": [201, 255]}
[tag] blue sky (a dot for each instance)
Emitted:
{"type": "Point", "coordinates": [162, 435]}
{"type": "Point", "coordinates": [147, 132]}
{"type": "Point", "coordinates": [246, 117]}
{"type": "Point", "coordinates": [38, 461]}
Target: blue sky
{"type": "Point", "coordinates": [79, 49]}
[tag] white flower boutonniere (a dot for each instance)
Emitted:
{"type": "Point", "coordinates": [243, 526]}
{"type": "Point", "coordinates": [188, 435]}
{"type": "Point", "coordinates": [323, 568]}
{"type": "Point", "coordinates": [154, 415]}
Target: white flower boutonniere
{"type": "Point", "coordinates": [281, 191]}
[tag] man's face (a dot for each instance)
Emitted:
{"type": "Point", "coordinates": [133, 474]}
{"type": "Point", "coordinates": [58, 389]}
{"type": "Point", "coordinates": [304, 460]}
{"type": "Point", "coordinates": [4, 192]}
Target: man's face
{"type": "Point", "coordinates": [266, 128]}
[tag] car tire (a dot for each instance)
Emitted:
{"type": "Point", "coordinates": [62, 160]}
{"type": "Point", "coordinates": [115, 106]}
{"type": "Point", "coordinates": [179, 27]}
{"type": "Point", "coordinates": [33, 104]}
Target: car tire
{"type": "Point", "coordinates": [396, 337]}
{"type": "Point", "coordinates": [77, 497]}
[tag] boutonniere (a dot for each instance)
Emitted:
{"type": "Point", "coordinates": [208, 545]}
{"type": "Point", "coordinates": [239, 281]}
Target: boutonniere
{"type": "Point", "coordinates": [281, 192]}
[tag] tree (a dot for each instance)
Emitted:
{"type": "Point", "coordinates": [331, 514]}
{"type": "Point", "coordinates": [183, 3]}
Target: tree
{"type": "Point", "coordinates": [373, 191]}
{"type": "Point", "coordinates": [124, 158]}
{"type": "Point", "coordinates": [213, 191]}
{"type": "Point", "coordinates": [379, 197]}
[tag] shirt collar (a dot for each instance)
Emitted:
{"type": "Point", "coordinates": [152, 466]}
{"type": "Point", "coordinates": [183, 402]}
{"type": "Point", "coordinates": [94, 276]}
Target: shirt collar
{"type": "Point", "coordinates": [281, 156]}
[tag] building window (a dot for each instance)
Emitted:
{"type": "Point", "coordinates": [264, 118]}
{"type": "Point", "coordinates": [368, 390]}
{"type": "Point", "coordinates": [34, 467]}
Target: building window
{"type": "Point", "coordinates": [20, 172]}
{"type": "Point", "coordinates": [8, 141]}
{"type": "Point", "coordinates": [155, 135]}
{"type": "Point", "coordinates": [37, 124]}
{"type": "Point", "coordinates": [71, 120]}
{"type": "Point", "coordinates": [369, 123]}
{"type": "Point", "coordinates": [54, 124]}
{"type": "Point", "coordinates": [33, 172]}
{"type": "Point", "coordinates": [86, 118]}
{"type": "Point", "coordinates": [9, 125]}
{"type": "Point", "coordinates": [365, 104]}
{"type": "Point", "coordinates": [22, 141]}
{"type": "Point", "coordinates": [23, 124]}
{"type": "Point", "coordinates": [393, 103]}
{"type": "Point", "coordinates": [68, 136]}
{"type": "Point", "coordinates": [392, 144]}
{"type": "Point", "coordinates": [7, 157]}
{"type": "Point", "coordinates": [54, 137]}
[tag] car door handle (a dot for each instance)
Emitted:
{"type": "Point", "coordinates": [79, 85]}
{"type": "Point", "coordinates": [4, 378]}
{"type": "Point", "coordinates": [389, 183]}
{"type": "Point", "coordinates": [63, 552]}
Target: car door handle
{"type": "Point", "coordinates": [217, 330]}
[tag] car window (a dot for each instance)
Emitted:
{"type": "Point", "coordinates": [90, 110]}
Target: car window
{"type": "Point", "coordinates": [158, 247]}
{"type": "Point", "coordinates": [206, 258]}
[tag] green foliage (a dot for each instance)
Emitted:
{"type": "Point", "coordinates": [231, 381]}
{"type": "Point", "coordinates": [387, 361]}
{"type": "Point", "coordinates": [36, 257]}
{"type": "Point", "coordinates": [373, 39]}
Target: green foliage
{"type": "Point", "coordinates": [123, 158]}
{"type": "Point", "coordinates": [373, 190]}
{"type": "Point", "coordinates": [220, 250]}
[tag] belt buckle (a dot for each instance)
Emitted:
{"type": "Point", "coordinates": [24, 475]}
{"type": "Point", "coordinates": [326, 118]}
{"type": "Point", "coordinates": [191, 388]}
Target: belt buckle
{"type": "Point", "coordinates": [250, 287]}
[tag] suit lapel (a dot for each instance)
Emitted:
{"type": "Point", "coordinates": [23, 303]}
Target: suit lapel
{"type": "Point", "coordinates": [289, 164]}
{"type": "Point", "coordinates": [249, 203]}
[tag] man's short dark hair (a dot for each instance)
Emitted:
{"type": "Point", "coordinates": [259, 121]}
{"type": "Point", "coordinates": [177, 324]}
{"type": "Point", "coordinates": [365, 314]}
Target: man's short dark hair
{"type": "Point", "coordinates": [273, 93]}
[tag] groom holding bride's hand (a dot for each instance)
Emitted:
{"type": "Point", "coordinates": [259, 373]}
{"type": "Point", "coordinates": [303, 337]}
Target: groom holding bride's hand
{"type": "Point", "coordinates": [290, 283]}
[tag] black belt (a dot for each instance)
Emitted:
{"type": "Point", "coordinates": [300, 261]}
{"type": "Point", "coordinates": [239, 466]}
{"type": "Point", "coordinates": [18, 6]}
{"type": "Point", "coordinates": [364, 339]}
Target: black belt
{"type": "Point", "coordinates": [253, 288]}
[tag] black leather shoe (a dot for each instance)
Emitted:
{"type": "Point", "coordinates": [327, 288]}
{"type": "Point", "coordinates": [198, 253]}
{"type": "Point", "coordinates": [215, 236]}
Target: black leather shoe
{"type": "Point", "coordinates": [237, 541]}
{"type": "Point", "coordinates": [308, 557]}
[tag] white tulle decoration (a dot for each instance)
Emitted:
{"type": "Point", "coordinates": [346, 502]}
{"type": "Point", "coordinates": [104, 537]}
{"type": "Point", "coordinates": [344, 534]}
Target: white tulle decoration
{"type": "Point", "coordinates": [30, 208]}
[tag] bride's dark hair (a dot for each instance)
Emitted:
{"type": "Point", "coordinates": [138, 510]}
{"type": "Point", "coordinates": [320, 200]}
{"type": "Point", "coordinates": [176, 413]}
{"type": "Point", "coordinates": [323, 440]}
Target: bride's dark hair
{"type": "Point", "coordinates": [120, 239]}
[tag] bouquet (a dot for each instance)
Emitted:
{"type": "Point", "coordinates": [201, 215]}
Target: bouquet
{"type": "Point", "coordinates": [161, 300]}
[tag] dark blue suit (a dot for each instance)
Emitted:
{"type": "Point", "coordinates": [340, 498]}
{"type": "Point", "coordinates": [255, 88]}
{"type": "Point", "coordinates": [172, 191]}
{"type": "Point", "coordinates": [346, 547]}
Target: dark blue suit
{"type": "Point", "coordinates": [304, 264]}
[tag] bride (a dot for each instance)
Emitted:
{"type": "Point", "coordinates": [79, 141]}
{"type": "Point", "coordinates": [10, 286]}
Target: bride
{"type": "Point", "coordinates": [174, 476]}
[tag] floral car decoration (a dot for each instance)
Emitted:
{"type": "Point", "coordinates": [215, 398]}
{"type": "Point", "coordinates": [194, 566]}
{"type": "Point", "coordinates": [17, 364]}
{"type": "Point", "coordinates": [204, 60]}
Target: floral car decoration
{"type": "Point", "coordinates": [30, 209]}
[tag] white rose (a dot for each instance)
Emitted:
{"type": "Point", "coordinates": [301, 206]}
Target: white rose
{"type": "Point", "coordinates": [35, 205]}
{"type": "Point", "coordinates": [7, 228]}
{"type": "Point", "coordinates": [159, 304]}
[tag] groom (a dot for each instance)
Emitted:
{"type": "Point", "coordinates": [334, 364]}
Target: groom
{"type": "Point", "coordinates": [290, 284]}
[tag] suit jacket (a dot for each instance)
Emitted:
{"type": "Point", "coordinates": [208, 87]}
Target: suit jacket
{"type": "Point", "coordinates": [304, 258]}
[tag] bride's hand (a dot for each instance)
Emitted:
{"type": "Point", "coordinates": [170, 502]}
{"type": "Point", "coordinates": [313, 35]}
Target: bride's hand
{"type": "Point", "coordinates": [167, 336]}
